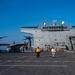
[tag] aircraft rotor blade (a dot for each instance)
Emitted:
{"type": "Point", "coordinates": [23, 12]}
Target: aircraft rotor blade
{"type": "Point", "coordinates": [3, 37]}
{"type": "Point", "coordinates": [24, 39]}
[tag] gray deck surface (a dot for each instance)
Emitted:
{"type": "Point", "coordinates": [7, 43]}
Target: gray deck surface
{"type": "Point", "coordinates": [28, 64]}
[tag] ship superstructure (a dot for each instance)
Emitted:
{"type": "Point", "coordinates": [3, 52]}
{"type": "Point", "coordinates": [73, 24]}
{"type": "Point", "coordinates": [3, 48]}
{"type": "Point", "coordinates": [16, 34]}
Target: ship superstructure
{"type": "Point", "coordinates": [58, 36]}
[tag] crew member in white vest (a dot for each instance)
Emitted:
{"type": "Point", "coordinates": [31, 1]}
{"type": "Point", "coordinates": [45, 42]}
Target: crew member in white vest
{"type": "Point", "coordinates": [53, 52]}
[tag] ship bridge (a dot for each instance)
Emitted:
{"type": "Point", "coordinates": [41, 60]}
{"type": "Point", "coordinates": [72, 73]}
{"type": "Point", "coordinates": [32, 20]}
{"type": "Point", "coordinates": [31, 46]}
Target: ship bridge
{"type": "Point", "coordinates": [54, 28]}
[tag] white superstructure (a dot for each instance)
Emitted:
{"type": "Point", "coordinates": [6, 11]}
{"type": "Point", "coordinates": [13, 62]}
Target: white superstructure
{"type": "Point", "coordinates": [52, 35]}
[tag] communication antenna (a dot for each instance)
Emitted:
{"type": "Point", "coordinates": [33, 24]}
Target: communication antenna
{"type": "Point", "coordinates": [44, 21]}
{"type": "Point", "coordinates": [54, 22]}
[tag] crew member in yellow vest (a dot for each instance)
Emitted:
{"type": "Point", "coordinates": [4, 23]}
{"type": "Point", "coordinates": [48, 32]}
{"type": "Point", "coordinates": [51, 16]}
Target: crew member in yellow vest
{"type": "Point", "coordinates": [38, 50]}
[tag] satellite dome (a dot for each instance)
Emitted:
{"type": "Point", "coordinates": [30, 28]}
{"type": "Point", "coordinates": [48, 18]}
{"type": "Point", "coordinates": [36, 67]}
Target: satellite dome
{"type": "Point", "coordinates": [63, 22]}
{"type": "Point", "coordinates": [44, 23]}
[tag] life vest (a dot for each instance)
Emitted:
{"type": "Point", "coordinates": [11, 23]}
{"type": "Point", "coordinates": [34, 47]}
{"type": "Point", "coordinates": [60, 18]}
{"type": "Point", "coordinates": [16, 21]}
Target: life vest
{"type": "Point", "coordinates": [38, 50]}
{"type": "Point", "coordinates": [22, 46]}
{"type": "Point", "coordinates": [53, 50]}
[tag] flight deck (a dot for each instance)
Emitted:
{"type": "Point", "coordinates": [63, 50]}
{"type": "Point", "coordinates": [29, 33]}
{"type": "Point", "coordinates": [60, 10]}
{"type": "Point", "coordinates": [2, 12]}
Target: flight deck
{"type": "Point", "coordinates": [27, 64]}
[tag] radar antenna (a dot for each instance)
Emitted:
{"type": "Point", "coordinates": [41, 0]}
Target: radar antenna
{"type": "Point", "coordinates": [63, 23]}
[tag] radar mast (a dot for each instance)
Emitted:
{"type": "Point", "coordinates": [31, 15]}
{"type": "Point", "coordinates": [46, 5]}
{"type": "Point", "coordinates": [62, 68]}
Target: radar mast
{"type": "Point", "coordinates": [63, 23]}
{"type": "Point", "coordinates": [54, 22]}
{"type": "Point", "coordinates": [44, 21]}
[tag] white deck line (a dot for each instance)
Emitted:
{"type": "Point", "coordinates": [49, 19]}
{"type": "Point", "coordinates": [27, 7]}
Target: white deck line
{"type": "Point", "coordinates": [35, 65]}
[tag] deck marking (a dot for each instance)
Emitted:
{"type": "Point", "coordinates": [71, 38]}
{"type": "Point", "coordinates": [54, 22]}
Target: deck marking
{"type": "Point", "coordinates": [37, 61]}
{"type": "Point", "coordinates": [17, 61]}
{"type": "Point", "coordinates": [45, 61]}
{"type": "Point", "coordinates": [8, 61]}
{"type": "Point", "coordinates": [35, 65]}
{"type": "Point", "coordinates": [6, 69]}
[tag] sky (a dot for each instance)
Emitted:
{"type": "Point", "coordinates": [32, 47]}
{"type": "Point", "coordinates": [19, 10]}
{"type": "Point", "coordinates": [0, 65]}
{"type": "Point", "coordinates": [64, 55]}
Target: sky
{"type": "Point", "coordinates": [17, 13]}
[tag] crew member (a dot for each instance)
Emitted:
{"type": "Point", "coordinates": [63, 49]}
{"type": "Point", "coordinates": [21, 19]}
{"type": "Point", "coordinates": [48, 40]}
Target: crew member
{"type": "Point", "coordinates": [53, 52]}
{"type": "Point", "coordinates": [38, 50]}
{"type": "Point", "coordinates": [22, 48]}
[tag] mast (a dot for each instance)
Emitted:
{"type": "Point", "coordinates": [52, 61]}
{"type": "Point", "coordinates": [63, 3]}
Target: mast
{"type": "Point", "coordinates": [54, 22]}
{"type": "Point", "coordinates": [44, 21]}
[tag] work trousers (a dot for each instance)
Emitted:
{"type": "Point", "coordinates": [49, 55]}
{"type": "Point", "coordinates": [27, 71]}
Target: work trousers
{"type": "Point", "coordinates": [53, 54]}
{"type": "Point", "coordinates": [38, 54]}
